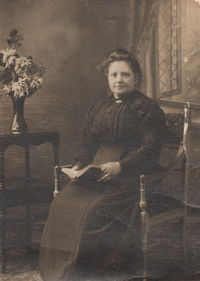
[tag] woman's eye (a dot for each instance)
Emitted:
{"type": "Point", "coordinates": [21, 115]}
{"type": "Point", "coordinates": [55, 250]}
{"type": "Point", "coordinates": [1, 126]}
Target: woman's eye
{"type": "Point", "coordinates": [114, 74]}
{"type": "Point", "coordinates": [126, 74]}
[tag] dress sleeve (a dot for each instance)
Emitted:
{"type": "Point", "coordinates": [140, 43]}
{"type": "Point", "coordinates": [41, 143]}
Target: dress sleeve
{"type": "Point", "coordinates": [88, 146]}
{"type": "Point", "coordinates": [152, 130]}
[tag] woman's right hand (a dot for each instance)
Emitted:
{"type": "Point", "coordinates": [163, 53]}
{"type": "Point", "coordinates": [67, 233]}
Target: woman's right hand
{"type": "Point", "coordinates": [110, 170]}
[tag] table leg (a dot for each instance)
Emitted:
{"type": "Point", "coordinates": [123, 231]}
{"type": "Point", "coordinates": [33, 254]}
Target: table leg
{"type": "Point", "coordinates": [28, 196]}
{"type": "Point", "coordinates": [3, 213]}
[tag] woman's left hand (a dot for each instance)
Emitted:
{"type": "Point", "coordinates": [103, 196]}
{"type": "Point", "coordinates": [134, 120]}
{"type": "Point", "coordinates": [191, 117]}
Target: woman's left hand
{"type": "Point", "coordinates": [110, 170]}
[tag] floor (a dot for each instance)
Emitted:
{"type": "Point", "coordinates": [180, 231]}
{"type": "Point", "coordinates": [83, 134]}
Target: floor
{"type": "Point", "coordinates": [165, 252]}
{"type": "Point", "coordinates": [22, 267]}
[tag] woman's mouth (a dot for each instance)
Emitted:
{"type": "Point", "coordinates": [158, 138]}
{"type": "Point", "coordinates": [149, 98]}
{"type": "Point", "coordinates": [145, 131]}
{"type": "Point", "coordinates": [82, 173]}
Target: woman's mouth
{"type": "Point", "coordinates": [120, 87]}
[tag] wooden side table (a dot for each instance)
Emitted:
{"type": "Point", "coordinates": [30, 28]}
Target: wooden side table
{"type": "Point", "coordinates": [25, 140]}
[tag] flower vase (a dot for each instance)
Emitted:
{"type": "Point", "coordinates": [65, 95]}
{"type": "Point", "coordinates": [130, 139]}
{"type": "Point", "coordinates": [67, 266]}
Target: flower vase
{"type": "Point", "coordinates": [18, 124]}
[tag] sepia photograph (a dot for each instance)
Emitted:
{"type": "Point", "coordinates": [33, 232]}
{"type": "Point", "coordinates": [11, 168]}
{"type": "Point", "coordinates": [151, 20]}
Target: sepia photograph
{"type": "Point", "coordinates": [99, 140]}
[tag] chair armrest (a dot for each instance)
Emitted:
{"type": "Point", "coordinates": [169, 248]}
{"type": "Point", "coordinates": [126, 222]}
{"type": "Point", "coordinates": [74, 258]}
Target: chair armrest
{"type": "Point", "coordinates": [66, 166]}
{"type": "Point", "coordinates": [57, 173]}
{"type": "Point", "coordinates": [163, 171]}
{"type": "Point", "coordinates": [57, 170]}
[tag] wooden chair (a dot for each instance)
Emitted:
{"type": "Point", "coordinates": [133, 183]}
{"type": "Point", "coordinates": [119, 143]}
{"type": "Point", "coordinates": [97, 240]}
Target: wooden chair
{"type": "Point", "coordinates": [178, 141]}
{"type": "Point", "coordinates": [179, 163]}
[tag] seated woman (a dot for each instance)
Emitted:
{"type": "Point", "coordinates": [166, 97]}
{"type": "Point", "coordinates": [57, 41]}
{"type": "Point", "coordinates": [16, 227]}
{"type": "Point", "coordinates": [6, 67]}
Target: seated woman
{"type": "Point", "coordinates": [89, 231]}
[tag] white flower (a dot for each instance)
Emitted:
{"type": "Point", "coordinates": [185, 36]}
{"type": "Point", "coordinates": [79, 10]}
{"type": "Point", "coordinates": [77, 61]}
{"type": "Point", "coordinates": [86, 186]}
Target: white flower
{"type": "Point", "coordinates": [24, 61]}
{"type": "Point", "coordinates": [20, 64]}
{"type": "Point", "coordinates": [10, 61]}
{"type": "Point", "coordinates": [20, 88]}
{"type": "Point", "coordinates": [35, 83]}
{"type": "Point", "coordinates": [7, 53]}
{"type": "Point", "coordinates": [7, 88]}
{"type": "Point", "coordinates": [24, 77]}
{"type": "Point", "coordinates": [40, 80]}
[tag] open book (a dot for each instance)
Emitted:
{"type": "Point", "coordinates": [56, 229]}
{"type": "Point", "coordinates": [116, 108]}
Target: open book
{"type": "Point", "coordinates": [88, 173]}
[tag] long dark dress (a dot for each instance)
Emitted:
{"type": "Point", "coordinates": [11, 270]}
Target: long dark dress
{"type": "Point", "coordinates": [89, 231]}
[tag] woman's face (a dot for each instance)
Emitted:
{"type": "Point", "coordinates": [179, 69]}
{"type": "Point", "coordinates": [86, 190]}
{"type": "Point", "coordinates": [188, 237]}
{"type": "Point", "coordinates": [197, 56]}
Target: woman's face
{"type": "Point", "coordinates": [121, 78]}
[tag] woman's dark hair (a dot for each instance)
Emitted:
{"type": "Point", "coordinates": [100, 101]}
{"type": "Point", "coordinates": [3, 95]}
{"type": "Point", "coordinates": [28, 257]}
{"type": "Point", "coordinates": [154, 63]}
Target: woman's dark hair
{"type": "Point", "coordinates": [122, 55]}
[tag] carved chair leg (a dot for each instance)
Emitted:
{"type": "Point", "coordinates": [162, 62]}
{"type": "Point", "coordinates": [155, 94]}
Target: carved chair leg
{"type": "Point", "coordinates": [56, 180]}
{"type": "Point", "coordinates": [145, 225]}
{"type": "Point", "coordinates": [144, 245]}
{"type": "Point", "coordinates": [185, 237]}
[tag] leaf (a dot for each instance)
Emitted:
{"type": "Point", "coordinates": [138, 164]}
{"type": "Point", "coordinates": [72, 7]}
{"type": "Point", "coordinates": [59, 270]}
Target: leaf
{"type": "Point", "coordinates": [13, 32]}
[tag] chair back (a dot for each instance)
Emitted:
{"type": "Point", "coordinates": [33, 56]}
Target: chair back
{"type": "Point", "coordinates": [173, 138]}
{"type": "Point", "coordinates": [175, 124]}
{"type": "Point", "coordinates": [173, 176]}
{"type": "Point", "coordinates": [187, 148]}
{"type": "Point", "coordinates": [177, 135]}
{"type": "Point", "coordinates": [175, 154]}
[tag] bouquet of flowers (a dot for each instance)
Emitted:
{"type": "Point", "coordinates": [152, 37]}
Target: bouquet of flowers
{"type": "Point", "coordinates": [19, 75]}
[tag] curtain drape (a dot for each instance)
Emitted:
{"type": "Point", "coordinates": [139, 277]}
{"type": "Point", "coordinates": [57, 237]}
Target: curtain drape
{"type": "Point", "coordinates": [143, 19]}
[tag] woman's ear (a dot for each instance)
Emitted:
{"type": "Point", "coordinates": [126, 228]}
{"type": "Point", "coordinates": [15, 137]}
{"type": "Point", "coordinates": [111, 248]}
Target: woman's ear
{"type": "Point", "coordinates": [136, 79]}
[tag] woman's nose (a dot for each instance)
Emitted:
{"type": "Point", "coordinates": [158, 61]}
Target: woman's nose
{"type": "Point", "coordinates": [119, 77]}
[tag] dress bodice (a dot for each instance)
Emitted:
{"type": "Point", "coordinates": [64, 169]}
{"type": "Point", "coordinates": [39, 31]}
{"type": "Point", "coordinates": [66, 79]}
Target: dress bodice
{"type": "Point", "coordinates": [136, 123]}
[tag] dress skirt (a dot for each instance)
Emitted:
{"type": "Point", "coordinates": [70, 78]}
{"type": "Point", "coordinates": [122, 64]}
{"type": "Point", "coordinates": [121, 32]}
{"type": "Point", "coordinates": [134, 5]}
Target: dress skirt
{"type": "Point", "coordinates": [89, 231]}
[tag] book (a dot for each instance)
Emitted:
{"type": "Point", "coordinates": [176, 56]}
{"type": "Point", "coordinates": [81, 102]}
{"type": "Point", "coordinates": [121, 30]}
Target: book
{"type": "Point", "coordinates": [88, 173]}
